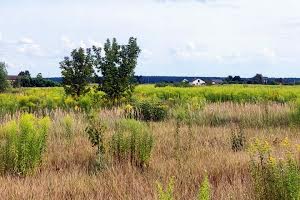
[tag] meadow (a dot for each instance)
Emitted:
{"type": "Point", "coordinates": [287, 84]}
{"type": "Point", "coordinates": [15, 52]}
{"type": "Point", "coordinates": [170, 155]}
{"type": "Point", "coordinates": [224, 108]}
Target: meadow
{"type": "Point", "coordinates": [211, 142]}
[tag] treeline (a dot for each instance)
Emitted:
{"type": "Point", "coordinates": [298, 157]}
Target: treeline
{"type": "Point", "coordinates": [258, 79]}
{"type": "Point", "coordinates": [24, 79]}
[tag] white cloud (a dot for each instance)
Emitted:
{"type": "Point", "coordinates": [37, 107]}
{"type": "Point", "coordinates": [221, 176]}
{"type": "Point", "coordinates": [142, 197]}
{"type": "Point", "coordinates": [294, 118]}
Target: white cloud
{"type": "Point", "coordinates": [82, 44]}
{"type": "Point", "coordinates": [67, 43]}
{"type": "Point", "coordinates": [27, 46]}
{"type": "Point", "coordinates": [146, 54]}
{"type": "Point", "coordinates": [70, 44]}
{"type": "Point", "coordinates": [26, 41]}
{"type": "Point", "coordinates": [95, 43]}
{"type": "Point", "coordinates": [269, 53]}
{"type": "Point", "coordinates": [31, 50]}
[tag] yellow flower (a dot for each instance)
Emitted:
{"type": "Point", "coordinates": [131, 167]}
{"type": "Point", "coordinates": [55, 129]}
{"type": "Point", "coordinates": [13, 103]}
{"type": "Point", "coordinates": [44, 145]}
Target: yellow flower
{"type": "Point", "coordinates": [272, 161]}
{"type": "Point", "coordinates": [128, 108]}
{"type": "Point", "coordinates": [285, 142]}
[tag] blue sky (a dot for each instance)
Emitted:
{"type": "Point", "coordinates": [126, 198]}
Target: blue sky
{"type": "Point", "coordinates": [177, 37]}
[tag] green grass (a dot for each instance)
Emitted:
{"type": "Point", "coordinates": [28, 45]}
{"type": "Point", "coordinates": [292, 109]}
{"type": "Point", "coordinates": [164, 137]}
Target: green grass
{"type": "Point", "coordinates": [36, 99]}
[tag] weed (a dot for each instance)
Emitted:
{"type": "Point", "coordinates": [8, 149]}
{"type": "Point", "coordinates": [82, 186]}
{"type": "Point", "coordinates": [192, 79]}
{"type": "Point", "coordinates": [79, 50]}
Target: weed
{"type": "Point", "coordinates": [205, 190]}
{"type": "Point", "coordinates": [273, 178]}
{"type": "Point", "coordinates": [22, 144]}
{"type": "Point", "coordinates": [132, 141]}
{"type": "Point", "coordinates": [166, 194]}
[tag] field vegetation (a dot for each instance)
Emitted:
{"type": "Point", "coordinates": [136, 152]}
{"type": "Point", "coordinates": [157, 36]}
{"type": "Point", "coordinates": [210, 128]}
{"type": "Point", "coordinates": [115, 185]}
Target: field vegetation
{"type": "Point", "coordinates": [116, 140]}
{"type": "Point", "coordinates": [212, 142]}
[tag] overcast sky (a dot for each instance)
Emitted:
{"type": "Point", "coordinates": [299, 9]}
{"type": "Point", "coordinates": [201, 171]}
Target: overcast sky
{"type": "Point", "coordinates": [177, 37]}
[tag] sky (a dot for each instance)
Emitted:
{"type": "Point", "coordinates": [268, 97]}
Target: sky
{"type": "Point", "coordinates": [177, 37]}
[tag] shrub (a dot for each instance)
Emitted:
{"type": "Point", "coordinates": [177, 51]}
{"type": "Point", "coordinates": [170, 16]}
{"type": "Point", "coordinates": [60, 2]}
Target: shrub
{"type": "Point", "coordinates": [85, 103]}
{"type": "Point", "coordinates": [166, 194]}
{"type": "Point", "coordinates": [274, 178]}
{"type": "Point", "coordinates": [132, 141]}
{"type": "Point", "coordinates": [95, 132]}
{"type": "Point", "coordinates": [22, 144]}
{"type": "Point", "coordinates": [205, 191]}
{"type": "Point", "coordinates": [150, 111]}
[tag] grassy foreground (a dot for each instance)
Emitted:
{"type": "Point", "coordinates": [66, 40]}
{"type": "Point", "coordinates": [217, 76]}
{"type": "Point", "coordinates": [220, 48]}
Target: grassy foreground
{"type": "Point", "coordinates": [216, 140]}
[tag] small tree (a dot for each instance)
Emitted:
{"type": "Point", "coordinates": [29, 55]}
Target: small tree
{"type": "Point", "coordinates": [258, 79]}
{"type": "Point", "coordinates": [117, 68]}
{"type": "Point", "coordinates": [24, 79]}
{"type": "Point", "coordinates": [77, 72]}
{"type": "Point", "coordinates": [3, 77]}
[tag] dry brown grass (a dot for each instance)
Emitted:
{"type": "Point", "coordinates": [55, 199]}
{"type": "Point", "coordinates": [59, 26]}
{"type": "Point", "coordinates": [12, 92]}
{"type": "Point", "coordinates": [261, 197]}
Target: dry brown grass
{"type": "Point", "coordinates": [67, 170]}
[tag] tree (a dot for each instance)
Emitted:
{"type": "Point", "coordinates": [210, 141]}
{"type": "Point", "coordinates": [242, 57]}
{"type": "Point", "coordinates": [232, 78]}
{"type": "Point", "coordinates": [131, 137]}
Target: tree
{"type": "Point", "coordinates": [229, 79]}
{"type": "Point", "coordinates": [3, 77]}
{"type": "Point", "coordinates": [77, 72]}
{"type": "Point", "coordinates": [24, 79]}
{"type": "Point", "coordinates": [39, 81]}
{"type": "Point", "coordinates": [237, 79]}
{"type": "Point", "coordinates": [258, 79]}
{"type": "Point", "coordinates": [117, 68]}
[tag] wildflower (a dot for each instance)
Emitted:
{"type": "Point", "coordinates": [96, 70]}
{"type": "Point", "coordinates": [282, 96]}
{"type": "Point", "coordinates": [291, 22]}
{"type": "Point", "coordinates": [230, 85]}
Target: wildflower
{"type": "Point", "coordinates": [285, 142]}
{"type": "Point", "coordinates": [128, 108]}
{"type": "Point", "coordinates": [272, 161]}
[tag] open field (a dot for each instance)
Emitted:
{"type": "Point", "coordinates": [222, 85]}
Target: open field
{"type": "Point", "coordinates": [199, 135]}
{"type": "Point", "coordinates": [53, 98]}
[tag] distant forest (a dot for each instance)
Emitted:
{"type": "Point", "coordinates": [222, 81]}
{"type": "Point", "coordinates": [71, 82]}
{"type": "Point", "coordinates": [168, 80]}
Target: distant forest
{"type": "Point", "coordinates": [177, 79]}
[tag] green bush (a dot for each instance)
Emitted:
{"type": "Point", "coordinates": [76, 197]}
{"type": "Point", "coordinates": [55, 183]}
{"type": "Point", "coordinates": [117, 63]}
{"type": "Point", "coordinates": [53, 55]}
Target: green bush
{"type": "Point", "coordinates": [205, 190]}
{"type": "Point", "coordinates": [132, 141]}
{"type": "Point", "coordinates": [150, 111]}
{"type": "Point", "coordinates": [95, 132]}
{"type": "Point", "coordinates": [274, 179]}
{"type": "Point", "coordinates": [22, 144]}
{"type": "Point", "coordinates": [166, 194]}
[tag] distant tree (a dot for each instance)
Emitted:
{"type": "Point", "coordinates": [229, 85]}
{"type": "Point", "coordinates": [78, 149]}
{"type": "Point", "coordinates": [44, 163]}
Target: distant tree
{"type": "Point", "coordinates": [3, 77]}
{"type": "Point", "coordinates": [117, 68]}
{"type": "Point", "coordinates": [139, 79]}
{"type": "Point", "coordinates": [258, 79]}
{"type": "Point", "coordinates": [237, 79]}
{"type": "Point", "coordinates": [23, 79]}
{"type": "Point", "coordinates": [228, 79]}
{"type": "Point", "coordinates": [279, 80]}
{"type": "Point", "coordinates": [77, 72]}
{"type": "Point", "coordinates": [39, 81]}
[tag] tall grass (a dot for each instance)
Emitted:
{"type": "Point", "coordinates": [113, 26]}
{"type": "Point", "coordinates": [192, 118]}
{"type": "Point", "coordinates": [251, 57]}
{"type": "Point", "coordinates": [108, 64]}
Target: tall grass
{"type": "Point", "coordinates": [22, 144]}
{"type": "Point", "coordinates": [132, 141]}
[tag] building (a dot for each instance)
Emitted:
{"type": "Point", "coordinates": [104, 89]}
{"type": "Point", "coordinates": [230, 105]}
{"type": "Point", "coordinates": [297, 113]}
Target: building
{"type": "Point", "coordinates": [216, 82]}
{"type": "Point", "coordinates": [198, 82]}
{"type": "Point", "coordinates": [185, 81]}
{"type": "Point", "coordinates": [12, 78]}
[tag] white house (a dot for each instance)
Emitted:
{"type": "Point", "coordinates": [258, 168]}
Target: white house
{"type": "Point", "coordinates": [198, 82]}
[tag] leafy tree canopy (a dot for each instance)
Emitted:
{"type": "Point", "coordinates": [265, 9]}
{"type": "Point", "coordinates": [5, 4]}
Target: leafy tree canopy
{"type": "Point", "coordinates": [3, 77]}
{"type": "Point", "coordinates": [77, 72]}
{"type": "Point", "coordinates": [117, 68]}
